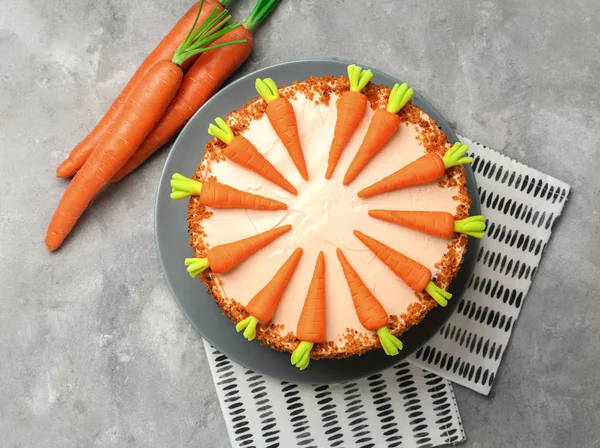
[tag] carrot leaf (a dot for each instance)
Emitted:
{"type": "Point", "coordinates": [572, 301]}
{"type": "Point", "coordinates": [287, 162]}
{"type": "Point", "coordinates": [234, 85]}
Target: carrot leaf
{"type": "Point", "coordinates": [400, 95]}
{"type": "Point", "coordinates": [438, 294]}
{"type": "Point", "coordinates": [390, 343]}
{"type": "Point", "coordinates": [222, 131]}
{"type": "Point", "coordinates": [249, 327]}
{"type": "Point", "coordinates": [473, 226]}
{"type": "Point", "coordinates": [196, 265]}
{"type": "Point", "coordinates": [260, 11]}
{"type": "Point", "coordinates": [182, 187]}
{"type": "Point", "coordinates": [198, 40]}
{"type": "Point", "coordinates": [267, 89]}
{"type": "Point", "coordinates": [301, 355]}
{"type": "Point", "coordinates": [358, 77]}
{"type": "Point", "coordinates": [455, 156]}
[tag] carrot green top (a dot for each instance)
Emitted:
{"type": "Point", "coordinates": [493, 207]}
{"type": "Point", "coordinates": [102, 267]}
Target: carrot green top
{"type": "Point", "coordinates": [267, 89]}
{"type": "Point", "coordinates": [260, 11]}
{"type": "Point", "coordinates": [455, 156]}
{"type": "Point", "coordinates": [199, 40]}
{"type": "Point", "coordinates": [222, 131]}
{"type": "Point", "coordinates": [401, 94]}
{"type": "Point", "coordinates": [358, 77]}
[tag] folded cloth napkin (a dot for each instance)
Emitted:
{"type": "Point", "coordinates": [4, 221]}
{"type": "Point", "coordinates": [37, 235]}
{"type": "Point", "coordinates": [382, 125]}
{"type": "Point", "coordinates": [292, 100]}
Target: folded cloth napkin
{"type": "Point", "coordinates": [520, 204]}
{"type": "Point", "coordinates": [406, 405]}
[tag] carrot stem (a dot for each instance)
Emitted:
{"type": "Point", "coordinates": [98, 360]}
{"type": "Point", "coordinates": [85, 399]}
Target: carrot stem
{"type": "Point", "coordinates": [473, 226]}
{"type": "Point", "coordinates": [400, 95]}
{"type": "Point", "coordinates": [182, 187]}
{"type": "Point", "coordinates": [196, 265]}
{"type": "Point", "coordinates": [267, 89]}
{"type": "Point", "coordinates": [301, 355]}
{"type": "Point", "coordinates": [249, 326]}
{"type": "Point", "coordinates": [222, 131]}
{"type": "Point", "coordinates": [358, 77]}
{"type": "Point", "coordinates": [438, 294]}
{"type": "Point", "coordinates": [455, 156]}
{"type": "Point", "coordinates": [260, 11]}
{"type": "Point", "coordinates": [390, 343]}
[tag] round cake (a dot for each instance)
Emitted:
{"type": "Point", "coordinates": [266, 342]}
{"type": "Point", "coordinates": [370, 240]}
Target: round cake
{"type": "Point", "coordinates": [332, 217]}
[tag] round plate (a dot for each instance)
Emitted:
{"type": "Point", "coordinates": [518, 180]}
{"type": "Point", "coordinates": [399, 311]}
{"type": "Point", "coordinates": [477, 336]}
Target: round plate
{"type": "Point", "coordinates": [191, 295]}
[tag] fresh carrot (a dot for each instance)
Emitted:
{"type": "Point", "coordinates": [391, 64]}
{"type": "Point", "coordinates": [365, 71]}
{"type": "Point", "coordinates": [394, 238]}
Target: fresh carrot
{"type": "Point", "coordinates": [383, 125]}
{"type": "Point", "coordinates": [263, 305]}
{"type": "Point", "coordinates": [165, 50]}
{"type": "Point", "coordinates": [205, 77]}
{"type": "Point", "coordinates": [224, 257]}
{"type": "Point", "coordinates": [441, 224]}
{"type": "Point", "coordinates": [217, 195]}
{"type": "Point", "coordinates": [414, 274]}
{"type": "Point", "coordinates": [351, 107]}
{"type": "Point", "coordinates": [370, 312]}
{"type": "Point", "coordinates": [283, 119]}
{"type": "Point", "coordinates": [311, 325]}
{"type": "Point", "coordinates": [239, 150]}
{"type": "Point", "coordinates": [425, 169]}
{"type": "Point", "coordinates": [141, 111]}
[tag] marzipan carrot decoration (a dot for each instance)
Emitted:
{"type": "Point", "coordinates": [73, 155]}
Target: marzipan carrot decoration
{"type": "Point", "coordinates": [425, 169]}
{"type": "Point", "coordinates": [370, 312]}
{"type": "Point", "coordinates": [205, 77]}
{"type": "Point", "coordinates": [217, 195]}
{"type": "Point", "coordinates": [263, 305]}
{"type": "Point", "coordinates": [165, 50]}
{"type": "Point", "coordinates": [414, 274]}
{"type": "Point", "coordinates": [239, 150]}
{"type": "Point", "coordinates": [440, 224]}
{"type": "Point", "coordinates": [143, 108]}
{"type": "Point", "coordinates": [351, 107]}
{"type": "Point", "coordinates": [311, 325]}
{"type": "Point", "coordinates": [383, 125]}
{"type": "Point", "coordinates": [226, 256]}
{"type": "Point", "coordinates": [283, 119]}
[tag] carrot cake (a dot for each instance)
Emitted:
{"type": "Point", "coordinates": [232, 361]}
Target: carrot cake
{"type": "Point", "coordinates": [326, 247]}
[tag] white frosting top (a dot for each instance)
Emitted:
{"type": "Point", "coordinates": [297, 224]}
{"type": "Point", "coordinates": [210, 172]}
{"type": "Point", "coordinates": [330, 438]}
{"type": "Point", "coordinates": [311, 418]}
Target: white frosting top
{"type": "Point", "coordinates": [323, 215]}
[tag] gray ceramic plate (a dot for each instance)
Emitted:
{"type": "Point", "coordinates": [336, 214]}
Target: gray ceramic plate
{"type": "Point", "coordinates": [197, 304]}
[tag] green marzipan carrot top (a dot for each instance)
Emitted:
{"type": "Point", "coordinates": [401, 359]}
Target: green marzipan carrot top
{"type": "Point", "coordinates": [358, 77]}
{"type": "Point", "coordinates": [401, 94]}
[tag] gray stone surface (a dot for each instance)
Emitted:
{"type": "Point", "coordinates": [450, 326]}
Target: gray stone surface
{"type": "Point", "coordinates": [93, 350]}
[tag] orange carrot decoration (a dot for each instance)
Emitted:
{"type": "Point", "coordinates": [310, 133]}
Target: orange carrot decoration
{"type": "Point", "coordinates": [414, 274]}
{"type": "Point", "coordinates": [311, 325]}
{"type": "Point", "coordinates": [370, 312]}
{"type": "Point", "coordinates": [217, 195]}
{"type": "Point", "coordinates": [239, 150]}
{"type": "Point", "coordinates": [351, 107]}
{"type": "Point", "coordinates": [226, 256]}
{"type": "Point", "coordinates": [263, 305]}
{"type": "Point", "coordinates": [283, 119]}
{"type": "Point", "coordinates": [441, 224]}
{"type": "Point", "coordinates": [425, 169]}
{"type": "Point", "coordinates": [383, 125]}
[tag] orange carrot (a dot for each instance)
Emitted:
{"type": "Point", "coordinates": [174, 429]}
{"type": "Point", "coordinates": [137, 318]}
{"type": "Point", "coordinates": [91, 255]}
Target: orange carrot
{"type": "Point", "coordinates": [263, 305]}
{"type": "Point", "coordinates": [217, 195]}
{"type": "Point", "coordinates": [414, 274]}
{"type": "Point", "coordinates": [370, 312]}
{"type": "Point", "coordinates": [425, 169]}
{"type": "Point", "coordinates": [239, 150]}
{"type": "Point", "coordinates": [165, 50]}
{"type": "Point", "coordinates": [311, 325]}
{"type": "Point", "coordinates": [141, 111]}
{"type": "Point", "coordinates": [283, 119]}
{"type": "Point", "coordinates": [383, 125]}
{"type": "Point", "coordinates": [226, 256]}
{"type": "Point", "coordinates": [351, 107]}
{"type": "Point", "coordinates": [205, 77]}
{"type": "Point", "coordinates": [439, 224]}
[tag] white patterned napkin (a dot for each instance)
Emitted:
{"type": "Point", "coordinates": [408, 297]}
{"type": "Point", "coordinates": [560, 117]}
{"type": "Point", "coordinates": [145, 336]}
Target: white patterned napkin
{"type": "Point", "coordinates": [521, 204]}
{"type": "Point", "coordinates": [405, 405]}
